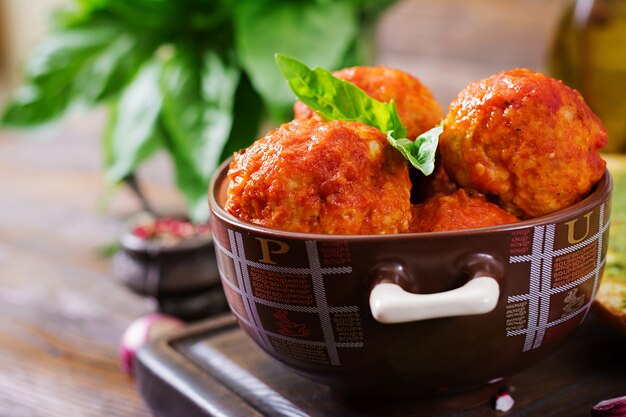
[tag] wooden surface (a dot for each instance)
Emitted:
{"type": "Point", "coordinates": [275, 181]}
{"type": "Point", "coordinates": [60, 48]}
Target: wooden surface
{"type": "Point", "coordinates": [449, 43]}
{"type": "Point", "coordinates": [217, 362]}
{"type": "Point", "coordinates": [62, 314]}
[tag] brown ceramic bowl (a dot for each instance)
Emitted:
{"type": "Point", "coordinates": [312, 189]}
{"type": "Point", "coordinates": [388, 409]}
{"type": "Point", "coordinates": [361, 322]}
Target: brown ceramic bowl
{"type": "Point", "coordinates": [414, 314]}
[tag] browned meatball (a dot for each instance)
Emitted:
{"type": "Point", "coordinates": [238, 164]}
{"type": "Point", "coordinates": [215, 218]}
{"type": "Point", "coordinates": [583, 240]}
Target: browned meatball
{"type": "Point", "coordinates": [418, 109]}
{"type": "Point", "coordinates": [311, 176]}
{"type": "Point", "coordinates": [455, 212]}
{"type": "Point", "coordinates": [525, 138]}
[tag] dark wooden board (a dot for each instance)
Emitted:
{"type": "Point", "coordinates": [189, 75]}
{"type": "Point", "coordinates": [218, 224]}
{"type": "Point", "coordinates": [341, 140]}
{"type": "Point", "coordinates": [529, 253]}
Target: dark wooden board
{"type": "Point", "coordinates": [214, 369]}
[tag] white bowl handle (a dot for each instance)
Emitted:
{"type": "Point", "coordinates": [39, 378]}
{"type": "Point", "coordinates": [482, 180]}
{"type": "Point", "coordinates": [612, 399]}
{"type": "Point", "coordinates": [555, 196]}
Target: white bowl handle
{"type": "Point", "coordinates": [392, 304]}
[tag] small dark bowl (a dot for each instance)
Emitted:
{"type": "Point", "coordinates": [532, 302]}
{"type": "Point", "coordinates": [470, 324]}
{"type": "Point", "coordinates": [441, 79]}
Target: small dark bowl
{"type": "Point", "coordinates": [183, 277]}
{"type": "Point", "coordinates": [413, 314]}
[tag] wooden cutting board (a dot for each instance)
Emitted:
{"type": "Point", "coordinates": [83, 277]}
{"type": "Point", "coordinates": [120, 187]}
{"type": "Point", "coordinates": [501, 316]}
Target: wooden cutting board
{"type": "Point", "coordinates": [214, 369]}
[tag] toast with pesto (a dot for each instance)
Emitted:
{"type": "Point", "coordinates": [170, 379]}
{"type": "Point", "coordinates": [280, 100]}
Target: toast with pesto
{"type": "Point", "coordinates": [611, 298]}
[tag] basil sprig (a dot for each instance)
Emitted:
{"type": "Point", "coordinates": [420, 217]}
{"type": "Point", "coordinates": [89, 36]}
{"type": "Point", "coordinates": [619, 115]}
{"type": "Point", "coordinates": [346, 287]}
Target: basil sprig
{"type": "Point", "coordinates": [193, 79]}
{"type": "Point", "coordinates": [336, 99]}
{"type": "Point", "coordinates": [421, 152]}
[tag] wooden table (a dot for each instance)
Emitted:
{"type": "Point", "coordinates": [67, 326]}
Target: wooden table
{"type": "Point", "coordinates": [61, 312]}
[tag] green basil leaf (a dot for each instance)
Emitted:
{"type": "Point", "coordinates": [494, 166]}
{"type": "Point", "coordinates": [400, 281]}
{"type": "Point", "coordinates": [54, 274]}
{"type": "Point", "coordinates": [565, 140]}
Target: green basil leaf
{"type": "Point", "coordinates": [155, 15]}
{"type": "Point", "coordinates": [335, 99]}
{"type": "Point", "coordinates": [371, 8]}
{"type": "Point", "coordinates": [51, 73]}
{"type": "Point", "coordinates": [198, 99]}
{"type": "Point", "coordinates": [82, 13]}
{"type": "Point", "coordinates": [188, 181]}
{"type": "Point", "coordinates": [421, 152]}
{"type": "Point", "coordinates": [82, 10]}
{"type": "Point", "coordinates": [362, 49]}
{"type": "Point", "coordinates": [29, 106]}
{"type": "Point", "coordinates": [313, 32]}
{"type": "Point", "coordinates": [60, 53]}
{"type": "Point", "coordinates": [131, 137]}
{"type": "Point", "coordinates": [92, 4]}
{"type": "Point", "coordinates": [112, 68]}
{"type": "Point", "coordinates": [247, 113]}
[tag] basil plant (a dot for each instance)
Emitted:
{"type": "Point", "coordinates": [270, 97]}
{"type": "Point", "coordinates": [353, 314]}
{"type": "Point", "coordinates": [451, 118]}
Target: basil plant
{"type": "Point", "coordinates": [192, 78]}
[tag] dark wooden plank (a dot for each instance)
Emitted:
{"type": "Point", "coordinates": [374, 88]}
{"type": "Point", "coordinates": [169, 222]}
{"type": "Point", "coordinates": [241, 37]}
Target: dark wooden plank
{"type": "Point", "coordinates": [61, 313]}
{"type": "Point", "coordinates": [589, 368]}
{"type": "Point", "coordinates": [199, 394]}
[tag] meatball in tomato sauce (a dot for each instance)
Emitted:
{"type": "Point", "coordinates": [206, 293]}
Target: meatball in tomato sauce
{"type": "Point", "coordinates": [457, 211]}
{"type": "Point", "coordinates": [321, 177]}
{"type": "Point", "coordinates": [524, 139]}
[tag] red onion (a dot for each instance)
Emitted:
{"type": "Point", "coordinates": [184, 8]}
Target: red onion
{"type": "Point", "coordinates": [614, 407]}
{"type": "Point", "coordinates": [141, 331]}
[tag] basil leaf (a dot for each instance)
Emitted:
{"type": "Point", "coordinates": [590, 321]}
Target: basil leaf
{"type": "Point", "coordinates": [421, 152]}
{"type": "Point", "coordinates": [51, 73]}
{"type": "Point", "coordinates": [314, 32]}
{"type": "Point", "coordinates": [61, 52]}
{"type": "Point", "coordinates": [131, 137]}
{"type": "Point", "coordinates": [112, 68]}
{"type": "Point", "coordinates": [92, 3]}
{"type": "Point", "coordinates": [198, 99]}
{"type": "Point", "coordinates": [335, 99]}
{"type": "Point", "coordinates": [247, 113]}
{"type": "Point", "coordinates": [371, 8]}
{"type": "Point", "coordinates": [190, 183]}
{"type": "Point", "coordinates": [83, 65]}
{"type": "Point", "coordinates": [154, 15]}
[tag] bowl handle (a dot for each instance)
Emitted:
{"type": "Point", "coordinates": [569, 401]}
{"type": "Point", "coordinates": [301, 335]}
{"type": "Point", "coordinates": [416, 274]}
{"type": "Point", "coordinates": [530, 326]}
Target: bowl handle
{"type": "Point", "coordinates": [390, 303]}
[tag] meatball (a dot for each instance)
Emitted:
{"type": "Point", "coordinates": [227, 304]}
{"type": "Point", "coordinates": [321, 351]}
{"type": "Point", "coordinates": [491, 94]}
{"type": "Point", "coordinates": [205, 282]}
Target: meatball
{"type": "Point", "coordinates": [455, 212]}
{"type": "Point", "coordinates": [418, 109]}
{"type": "Point", "coordinates": [321, 177]}
{"type": "Point", "coordinates": [525, 139]}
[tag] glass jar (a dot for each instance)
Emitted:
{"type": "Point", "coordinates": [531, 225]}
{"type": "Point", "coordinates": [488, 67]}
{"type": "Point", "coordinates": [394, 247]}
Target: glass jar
{"type": "Point", "coordinates": [589, 54]}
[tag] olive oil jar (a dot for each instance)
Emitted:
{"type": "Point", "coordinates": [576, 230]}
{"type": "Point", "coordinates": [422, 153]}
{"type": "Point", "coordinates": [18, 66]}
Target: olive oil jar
{"type": "Point", "coordinates": [589, 54]}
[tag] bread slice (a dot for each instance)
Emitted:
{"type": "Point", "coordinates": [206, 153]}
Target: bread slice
{"type": "Point", "coordinates": [611, 297]}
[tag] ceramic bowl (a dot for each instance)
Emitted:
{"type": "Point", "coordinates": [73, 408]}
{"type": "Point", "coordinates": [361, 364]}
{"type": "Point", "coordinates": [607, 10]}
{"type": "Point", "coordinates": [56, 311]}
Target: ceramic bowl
{"type": "Point", "coordinates": [182, 278]}
{"type": "Point", "coordinates": [413, 314]}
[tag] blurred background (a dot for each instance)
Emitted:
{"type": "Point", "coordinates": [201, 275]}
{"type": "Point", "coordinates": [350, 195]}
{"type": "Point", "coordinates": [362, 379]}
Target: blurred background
{"type": "Point", "coordinates": [445, 43]}
{"type": "Point", "coordinates": [22, 24]}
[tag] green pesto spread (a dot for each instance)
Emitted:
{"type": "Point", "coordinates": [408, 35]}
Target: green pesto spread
{"type": "Point", "coordinates": [616, 258]}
